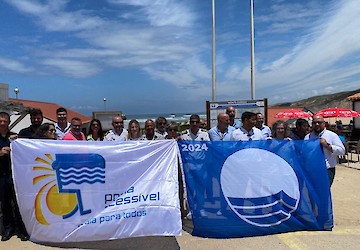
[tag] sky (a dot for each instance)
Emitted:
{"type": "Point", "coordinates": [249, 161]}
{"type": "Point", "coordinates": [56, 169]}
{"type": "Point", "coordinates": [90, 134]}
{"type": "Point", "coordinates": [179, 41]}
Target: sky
{"type": "Point", "coordinates": [155, 56]}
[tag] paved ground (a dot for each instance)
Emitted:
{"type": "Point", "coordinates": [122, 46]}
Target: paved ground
{"type": "Point", "coordinates": [345, 235]}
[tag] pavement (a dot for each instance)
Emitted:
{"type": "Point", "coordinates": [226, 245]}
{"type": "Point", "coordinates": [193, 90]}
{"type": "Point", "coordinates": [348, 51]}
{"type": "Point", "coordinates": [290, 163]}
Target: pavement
{"type": "Point", "coordinates": [345, 234]}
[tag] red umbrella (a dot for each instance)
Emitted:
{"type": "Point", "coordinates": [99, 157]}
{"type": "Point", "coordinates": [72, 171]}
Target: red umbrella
{"type": "Point", "coordinates": [292, 113]}
{"type": "Point", "coordinates": [337, 112]}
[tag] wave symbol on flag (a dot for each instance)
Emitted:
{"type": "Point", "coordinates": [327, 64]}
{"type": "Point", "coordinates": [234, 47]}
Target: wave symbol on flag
{"type": "Point", "coordinates": [260, 187]}
{"type": "Point", "coordinates": [73, 170]}
{"type": "Point", "coordinates": [82, 175]}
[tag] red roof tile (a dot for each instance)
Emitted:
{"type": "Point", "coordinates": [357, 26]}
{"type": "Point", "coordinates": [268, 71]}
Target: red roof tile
{"type": "Point", "coordinates": [354, 97]}
{"type": "Point", "coordinates": [49, 110]}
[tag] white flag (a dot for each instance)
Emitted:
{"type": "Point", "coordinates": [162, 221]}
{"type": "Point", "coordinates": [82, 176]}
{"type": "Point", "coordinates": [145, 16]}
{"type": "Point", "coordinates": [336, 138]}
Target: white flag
{"type": "Point", "coordinates": [70, 191]}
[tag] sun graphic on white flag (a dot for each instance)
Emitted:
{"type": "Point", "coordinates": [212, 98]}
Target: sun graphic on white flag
{"type": "Point", "coordinates": [48, 198]}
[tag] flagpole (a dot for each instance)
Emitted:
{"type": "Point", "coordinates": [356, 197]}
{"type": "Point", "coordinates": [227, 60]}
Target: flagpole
{"type": "Point", "coordinates": [213, 54]}
{"type": "Point", "coordinates": [252, 49]}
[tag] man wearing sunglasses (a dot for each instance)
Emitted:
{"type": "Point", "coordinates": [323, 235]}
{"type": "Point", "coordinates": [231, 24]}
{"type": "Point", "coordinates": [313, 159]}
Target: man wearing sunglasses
{"type": "Point", "coordinates": [161, 124]}
{"type": "Point", "coordinates": [330, 142]}
{"type": "Point", "coordinates": [75, 131]}
{"type": "Point", "coordinates": [118, 133]}
{"type": "Point", "coordinates": [195, 133]}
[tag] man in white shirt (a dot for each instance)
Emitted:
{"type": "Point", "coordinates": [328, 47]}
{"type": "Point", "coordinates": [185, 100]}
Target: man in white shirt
{"type": "Point", "coordinates": [161, 124]}
{"type": "Point", "coordinates": [62, 126]}
{"type": "Point", "coordinates": [330, 142]}
{"type": "Point", "coordinates": [247, 131]}
{"type": "Point", "coordinates": [118, 133]}
{"type": "Point", "coordinates": [195, 132]}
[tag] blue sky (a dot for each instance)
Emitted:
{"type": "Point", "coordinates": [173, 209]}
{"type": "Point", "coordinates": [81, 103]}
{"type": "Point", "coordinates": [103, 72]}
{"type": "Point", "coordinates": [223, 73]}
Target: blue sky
{"type": "Point", "coordinates": [154, 56]}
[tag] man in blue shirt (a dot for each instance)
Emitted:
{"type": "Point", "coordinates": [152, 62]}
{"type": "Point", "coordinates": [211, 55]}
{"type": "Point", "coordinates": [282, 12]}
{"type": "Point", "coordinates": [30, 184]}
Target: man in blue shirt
{"type": "Point", "coordinates": [233, 122]}
{"type": "Point", "coordinates": [222, 132]}
{"type": "Point", "coordinates": [265, 130]}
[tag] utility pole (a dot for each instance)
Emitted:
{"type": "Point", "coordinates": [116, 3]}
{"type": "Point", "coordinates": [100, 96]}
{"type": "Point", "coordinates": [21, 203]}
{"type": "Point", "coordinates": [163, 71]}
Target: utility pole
{"type": "Point", "coordinates": [252, 49]}
{"type": "Point", "coordinates": [213, 54]}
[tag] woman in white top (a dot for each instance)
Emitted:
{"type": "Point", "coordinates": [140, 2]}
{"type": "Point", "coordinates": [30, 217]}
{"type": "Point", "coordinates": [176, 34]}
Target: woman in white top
{"type": "Point", "coordinates": [134, 133]}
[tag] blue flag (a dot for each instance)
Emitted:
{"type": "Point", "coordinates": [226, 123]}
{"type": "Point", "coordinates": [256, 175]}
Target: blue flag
{"type": "Point", "coordinates": [238, 189]}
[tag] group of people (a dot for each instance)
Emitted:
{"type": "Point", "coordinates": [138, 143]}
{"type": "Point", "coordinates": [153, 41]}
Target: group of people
{"type": "Point", "coordinates": [253, 128]}
{"type": "Point", "coordinates": [228, 128]}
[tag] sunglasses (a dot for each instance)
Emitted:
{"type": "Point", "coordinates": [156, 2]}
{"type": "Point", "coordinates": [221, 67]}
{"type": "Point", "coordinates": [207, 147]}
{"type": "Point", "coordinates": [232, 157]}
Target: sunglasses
{"type": "Point", "coordinates": [195, 122]}
{"type": "Point", "coordinates": [317, 122]}
{"type": "Point", "coordinates": [95, 124]}
{"type": "Point", "coordinates": [52, 130]}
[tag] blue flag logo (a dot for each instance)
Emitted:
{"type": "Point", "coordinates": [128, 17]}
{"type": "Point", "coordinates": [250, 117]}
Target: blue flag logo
{"type": "Point", "coordinates": [261, 194]}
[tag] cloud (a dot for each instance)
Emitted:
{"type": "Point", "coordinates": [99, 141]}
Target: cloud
{"type": "Point", "coordinates": [170, 42]}
{"type": "Point", "coordinates": [324, 60]}
{"type": "Point", "coordinates": [139, 46]}
{"type": "Point", "coordinates": [192, 73]}
{"type": "Point", "coordinates": [87, 108]}
{"type": "Point", "coordinates": [107, 42]}
{"type": "Point", "coordinates": [52, 16]}
{"type": "Point", "coordinates": [286, 16]}
{"type": "Point", "coordinates": [74, 68]}
{"type": "Point", "coordinates": [162, 12]}
{"type": "Point", "coordinates": [315, 59]}
{"type": "Point", "coordinates": [14, 65]}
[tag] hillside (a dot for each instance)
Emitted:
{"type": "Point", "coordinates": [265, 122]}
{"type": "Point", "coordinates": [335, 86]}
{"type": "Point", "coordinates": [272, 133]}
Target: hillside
{"type": "Point", "coordinates": [317, 103]}
{"type": "Point", "coordinates": [9, 106]}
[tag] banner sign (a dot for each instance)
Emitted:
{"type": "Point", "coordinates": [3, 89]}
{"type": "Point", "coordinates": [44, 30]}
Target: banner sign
{"type": "Point", "coordinates": [238, 189]}
{"type": "Point", "coordinates": [214, 108]}
{"type": "Point", "coordinates": [70, 191]}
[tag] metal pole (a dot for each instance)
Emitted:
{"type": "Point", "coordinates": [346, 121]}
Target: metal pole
{"type": "Point", "coordinates": [213, 54]}
{"type": "Point", "coordinates": [252, 49]}
{"type": "Point", "coordinates": [104, 104]}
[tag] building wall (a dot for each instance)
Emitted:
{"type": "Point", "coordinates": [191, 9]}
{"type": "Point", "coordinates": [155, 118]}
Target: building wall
{"type": "Point", "coordinates": [4, 92]}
